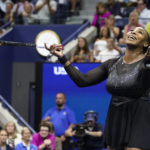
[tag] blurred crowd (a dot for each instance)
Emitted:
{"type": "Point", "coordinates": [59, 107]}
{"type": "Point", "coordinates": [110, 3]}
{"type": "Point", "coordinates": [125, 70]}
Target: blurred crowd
{"type": "Point", "coordinates": [57, 131]}
{"type": "Point", "coordinates": [110, 39]}
{"type": "Point", "coordinates": [36, 11]}
{"type": "Point", "coordinates": [110, 35]}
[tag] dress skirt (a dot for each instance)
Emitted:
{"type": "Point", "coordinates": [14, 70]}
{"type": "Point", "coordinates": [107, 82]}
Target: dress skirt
{"type": "Point", "coordinates": [128, 125]}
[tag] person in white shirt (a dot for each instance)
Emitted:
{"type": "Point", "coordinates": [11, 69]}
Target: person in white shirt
{"type": "Point", "coordinates": [112, 51]}
{"type": "Point", "coordinates": [3, 7]}
{"type": "Point", "coordinates": [101, 43]}
{"type": "Point", "coordinates": [144, 15]}
{"type": "Point", "coordinates": [45, 9]}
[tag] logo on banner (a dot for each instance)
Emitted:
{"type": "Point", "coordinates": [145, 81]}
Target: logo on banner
{"type": "Point", "coordinates": [58, 70]}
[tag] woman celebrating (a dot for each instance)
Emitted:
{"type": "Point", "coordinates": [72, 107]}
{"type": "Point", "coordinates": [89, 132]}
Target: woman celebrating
{"type": "Point", "coordinates": [128, 81]}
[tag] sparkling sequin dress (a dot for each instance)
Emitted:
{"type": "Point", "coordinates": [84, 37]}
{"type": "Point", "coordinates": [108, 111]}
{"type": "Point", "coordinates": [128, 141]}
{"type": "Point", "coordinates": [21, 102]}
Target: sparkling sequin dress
{"type": "Point", "coordinates": [128, 118]}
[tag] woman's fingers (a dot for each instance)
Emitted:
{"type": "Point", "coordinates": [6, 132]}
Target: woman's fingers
{"type": "Point", "coordinates": [55, 49]}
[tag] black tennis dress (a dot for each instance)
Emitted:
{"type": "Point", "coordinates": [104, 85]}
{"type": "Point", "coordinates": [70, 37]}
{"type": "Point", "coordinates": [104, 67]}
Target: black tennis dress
{"type": "Point", "coordinates": [128, 118]}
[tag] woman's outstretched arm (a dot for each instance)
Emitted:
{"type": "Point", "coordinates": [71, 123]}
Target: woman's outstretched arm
{"type": "Point", "coordinates": [82, 80]}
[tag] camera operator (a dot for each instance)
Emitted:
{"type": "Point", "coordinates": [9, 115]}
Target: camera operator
{"type": "Point", "coordinates": [92, 137]}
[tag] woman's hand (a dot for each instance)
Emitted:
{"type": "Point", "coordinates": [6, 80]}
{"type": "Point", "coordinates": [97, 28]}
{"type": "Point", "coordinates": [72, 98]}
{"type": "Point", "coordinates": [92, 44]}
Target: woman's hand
{"type": "Point", "coordinates": [47, 142]}
{"type": "Point", "coordinates": [55, 50]}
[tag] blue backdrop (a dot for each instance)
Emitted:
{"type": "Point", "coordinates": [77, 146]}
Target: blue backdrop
{"type": "Point", "coordinates": [80, 100]}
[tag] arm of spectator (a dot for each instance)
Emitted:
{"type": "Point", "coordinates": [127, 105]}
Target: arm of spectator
{"type": "Point", "coordinates": [125, 30]}
{"type": "Point", "coordinates": [69, 132]}
{"type": "Point", "coordinates": [117, 48]}
{"type": "Point", "coordinates": [91, 57]}
{"type": "Point", "coordinates": [72, 59]}
{"type": "Point", "coordinates": [94, 133]}
{"type": "Point", "coordinates": [116, 31]}
{"type": "Point", "coordinates": [39, 6]}
{"type": "Point", "coordinates": [48, 142]}
{"type": "Point", "coordinates": [47, 116]}
{"type": "Point", "coordinates": [51, 10]}
{"type": "Point", "coordinates": [63, 138]}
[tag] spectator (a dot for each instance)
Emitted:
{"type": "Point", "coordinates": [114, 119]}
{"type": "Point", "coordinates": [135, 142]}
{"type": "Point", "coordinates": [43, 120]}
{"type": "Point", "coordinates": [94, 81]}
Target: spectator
{"type": "Point", "coordinates": [100, 16]}
{"type": "Point", "coordinates": [114, 31]}
{"type": "Point", "coordinates": [9, 13]}
{"type": "Point", "coordinates": [56, 113]}
{"type": "Point", "coordinates": [25, 144]}
{"type": "Point", "coordinates": [3, 140]}
{"type": "Point", "coordinates": [114, 7]}
{"type": "Point", "coordinates": [112, 51]}
{"type": "Point", "coordinates": [92, 138]}
{"type": "Point", "coordinates": [44, 139]}
{"type": "Point", "coordinates": [45, 9]}
{"type": "Point", "coordinates": [13, 136]}
{"type": "Point", "coordinates": [73, 6]}
{"type": "Point", "coordinates": [101, 43]}
{"type": "Point", "coordinates": [18, 9]}
{"type": "Point", "coordinates": [82, 54]}
{"type": "Point", "coordinates": [133, 23]}
{"type": "Point", "coordinates": [144, 13]}
{"type": "Point", "coordinates": [3, 7]}
{"type": "Point", "coordinates": [27, 15]}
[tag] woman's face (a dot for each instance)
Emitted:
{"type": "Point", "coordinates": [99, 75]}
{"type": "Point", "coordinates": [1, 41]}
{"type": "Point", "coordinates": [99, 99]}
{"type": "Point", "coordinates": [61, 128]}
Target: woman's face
{"type": "Point", "coordinates": [28, 8]}
{"type": "Point", "coordinates": [133, 19]}
{"type": "Point", "coordinates": [110, 20]}
{"type": "Point", "coordinates": [101, 9]}
{"type": "Point", "coordinates": [44, 131]}
{"type": "Point", "coordinates": [3, 136]}
{"type": "Point", "coordinates": [9, 7]}
{"type": "Point", "coordinates": [26, 135]}
{"type": "Point", "coordinates": [81, 43]}
{"type": "Point", "coordinates": [137, 37]}
{"type": "Point", "coordinates": [104, 32]}
{"type": "Point", "coordinates": [10, 127]}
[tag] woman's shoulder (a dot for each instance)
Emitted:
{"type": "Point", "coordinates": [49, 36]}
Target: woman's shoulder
{"type": "Point", "coordinates": [106, 14]}
{"type": "Point", "coordinates": [109, 63]}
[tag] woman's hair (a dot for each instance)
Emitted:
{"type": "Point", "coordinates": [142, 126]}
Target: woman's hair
{"type": "Point", "coordinates": [47, 124]}
{"type": "Point", "coordinates": [15, 129]}
{"type": "Point", "coordinates": [4, 130]}
{"type": "Point", "coordinates": [85, 48]}
{"type": "Point", "coordinates": [25, 128]}
{"type": "Point", "coordinates": [108, 32]}
{"type": "Point", "coordinates": [102, 5]}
